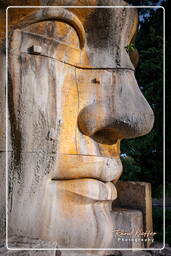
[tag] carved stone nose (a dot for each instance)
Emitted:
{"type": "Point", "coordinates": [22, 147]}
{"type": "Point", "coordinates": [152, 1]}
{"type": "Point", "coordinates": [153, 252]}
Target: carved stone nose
{"type": "Point", "coordinates": [124, 114]}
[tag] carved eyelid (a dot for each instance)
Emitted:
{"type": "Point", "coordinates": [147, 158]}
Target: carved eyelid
{"type": "Point", "coordinates": [59, 14]}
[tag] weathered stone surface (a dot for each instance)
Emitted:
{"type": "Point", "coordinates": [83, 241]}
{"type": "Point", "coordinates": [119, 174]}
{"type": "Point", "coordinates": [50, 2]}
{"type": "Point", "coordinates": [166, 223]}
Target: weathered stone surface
{"type": "Point", "coordinates": [3, 110]}
{"type": "Point", "coordinates": [96, 54]}
{"type": "Point", "coordinates": [2, 101]}
{"type": "Point", "coordinates": [37, 200]}
{"type": "Point", "coordinates": [127, 221]}
{"type": "Point", "coordinates": [115, 108]}
{"type": "Point", "coordinates": [136, 195]}
{"type": "Point", "coordinates": [135, 253]}
{"type": "Point", "coordinates": [2, 194]}
{"type": "Point", "coordinates": [71, 99]}
{"type": "Point", "coordinates": [25, 242]}
{"type": "Point", "coordinates": [84, 253]}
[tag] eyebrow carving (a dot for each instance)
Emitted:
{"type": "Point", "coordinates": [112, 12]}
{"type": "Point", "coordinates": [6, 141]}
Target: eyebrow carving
{"type": "Point", "coordinates": [59, 14]}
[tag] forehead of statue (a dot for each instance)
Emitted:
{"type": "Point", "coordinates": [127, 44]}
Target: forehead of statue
{"type": "Point", "coordinates": [108, 32]}
{"type": "Point", "coordinates": [103, 31]}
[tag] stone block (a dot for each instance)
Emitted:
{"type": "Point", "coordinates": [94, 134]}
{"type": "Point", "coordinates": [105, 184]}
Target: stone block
{"type": "Point", "coordinates": [136, 195]}
{"type": "Point", "coordinates": [126, 225]}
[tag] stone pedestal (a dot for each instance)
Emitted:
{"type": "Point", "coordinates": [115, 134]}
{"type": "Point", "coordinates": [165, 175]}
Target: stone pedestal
{"type": "Point", "coordinates": [137, 196]}
{"type": "Point", "coordinates": [127, 225]}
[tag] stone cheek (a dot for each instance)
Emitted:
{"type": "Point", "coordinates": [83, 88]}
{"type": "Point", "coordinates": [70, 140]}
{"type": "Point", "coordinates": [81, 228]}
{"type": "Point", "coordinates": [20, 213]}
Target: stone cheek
{"type": "Point", "coordinates": [50, 108]}
{"type": "Point", "coordinates": [46, 98]}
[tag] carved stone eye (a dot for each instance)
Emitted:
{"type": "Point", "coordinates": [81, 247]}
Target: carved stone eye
{"type": "Point", "coordinates": [56, 30]}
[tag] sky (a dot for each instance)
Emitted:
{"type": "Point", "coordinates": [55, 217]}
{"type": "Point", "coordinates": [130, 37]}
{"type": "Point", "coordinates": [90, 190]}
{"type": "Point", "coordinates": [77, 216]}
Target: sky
{"type": "Point", "coordinates": [141, 17]}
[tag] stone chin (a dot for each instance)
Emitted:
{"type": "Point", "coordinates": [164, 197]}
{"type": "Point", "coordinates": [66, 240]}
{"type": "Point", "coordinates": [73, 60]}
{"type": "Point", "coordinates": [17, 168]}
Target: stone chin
{"type": "Point", "coordinates": [77, 212]}
{"type": "Point", "coordinates": [77, 200]}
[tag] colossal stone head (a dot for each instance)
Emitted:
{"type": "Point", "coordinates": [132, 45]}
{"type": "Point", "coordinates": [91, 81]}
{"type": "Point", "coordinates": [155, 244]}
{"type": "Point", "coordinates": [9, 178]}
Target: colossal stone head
{"type": "Point", "coordinates": [73, 97]}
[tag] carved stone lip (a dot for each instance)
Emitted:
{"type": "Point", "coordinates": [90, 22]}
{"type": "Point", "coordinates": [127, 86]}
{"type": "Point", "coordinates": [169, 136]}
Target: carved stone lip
{"type": "Point", "coordinates": [89, 188]}
{"type": "Point", "coordinates": [71, 167]}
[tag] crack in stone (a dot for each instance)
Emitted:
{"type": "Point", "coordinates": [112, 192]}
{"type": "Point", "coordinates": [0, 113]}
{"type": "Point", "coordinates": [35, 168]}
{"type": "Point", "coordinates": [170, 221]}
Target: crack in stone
{"type": "Point", "coordinates": [78, 105]}
{"type": "Point", "coordinates": [76, 66]}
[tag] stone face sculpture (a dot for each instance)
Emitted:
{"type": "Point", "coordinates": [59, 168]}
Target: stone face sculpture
{"type": "Point", "coordinates": [73, 97]}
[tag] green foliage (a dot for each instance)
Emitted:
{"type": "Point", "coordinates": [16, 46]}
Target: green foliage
{"type": "Point", "coordinates": [130, 47]}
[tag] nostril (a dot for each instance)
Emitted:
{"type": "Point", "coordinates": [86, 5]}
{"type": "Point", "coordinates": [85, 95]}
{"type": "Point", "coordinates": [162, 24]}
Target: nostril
{"type": "Point", "coordinates": [106, 136]}
{"type": "Point", "coordinates": [106, 125]}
